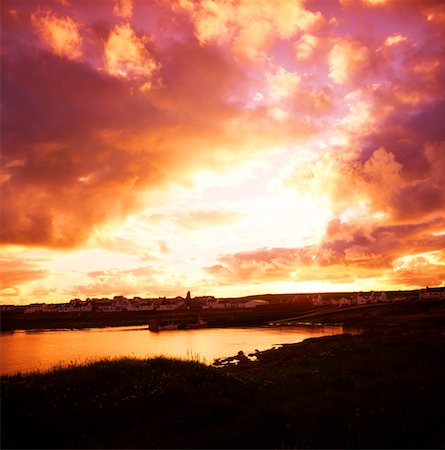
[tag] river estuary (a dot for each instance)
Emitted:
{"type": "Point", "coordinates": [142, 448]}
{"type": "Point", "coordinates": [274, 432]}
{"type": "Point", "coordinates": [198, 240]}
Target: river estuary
{"type": "Point", "coordinates": [23, 351]}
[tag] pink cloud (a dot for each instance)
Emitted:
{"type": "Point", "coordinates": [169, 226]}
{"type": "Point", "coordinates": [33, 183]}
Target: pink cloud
{"type": "Point", "coordinates": [89, 144]}
{"type": "Point", "coordinates": [108, 104]}
{"type": "Point", "coordinates": [347, 252]}
{"type": "Point", "coordinates": [114, 282]}
{"type": "Point", "coordinates": [123, 8]}
{"type": "Point", "coordinates": [249, 28]}
{"type": "Point", "coordinates": [347, 59]}
{"type": "Point", "coordinates": [60, 34]}
{"type": "Point", "coordinates": [16, 272]}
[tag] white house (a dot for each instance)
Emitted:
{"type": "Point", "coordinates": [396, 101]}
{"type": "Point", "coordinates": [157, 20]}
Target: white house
{"type": "Point", "coordinates": [169, 305]}
{"type": "Point", "coordinates": [380, 297]}
{"type": "Point", "coordinates": [106, 306]}
{"type": "Point", "coordinates": [35, 307]}
{"type": "Point", "coordinates": [146, 306]}
{"type": "Point", "coordinates": [345, 302]}
{"type": "Point", "coordinates": [220, 304]}
{"type": "Point", "coordinates": [432, 293]}
{"type": "Point", "coordinates": [210, 303]}
{"type": "Point", "coordinates": [85, 306]}
{"type": "Point", "coordinates": [77, 305]}
{"type": "Point", "coordinates": [361, 300]}
{"type": "Point", "coordinates": [7, 307]}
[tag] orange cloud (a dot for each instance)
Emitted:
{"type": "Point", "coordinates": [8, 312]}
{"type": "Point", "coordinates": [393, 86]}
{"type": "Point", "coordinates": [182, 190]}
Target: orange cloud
{"type": "Point", "coordinates": [60, 34]}
{"type": "Point", "coordinates": [348, 252]}
{"type": "Point", "coordinates": [282, 84]}
{"type": "Point", "coordinates": [248, 26]}
{"type": "Point", "coordinates": [18, 271]}
{"type": "Point", "coordinates": [126, 54]}
{"type": "Point", "coordinates": [346, 58]}
{"type": "Point", "coordinates": [420, 271]}
{"type": "Point", "coordinates": [114, 282]}
{"type": "Point", "coordinates": [96, 146]}
{"type": "Point", "coordinates": [108, 117]}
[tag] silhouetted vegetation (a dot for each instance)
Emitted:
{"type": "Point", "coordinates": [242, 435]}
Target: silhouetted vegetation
{"type": "Point", "coordinates": [380, 389]}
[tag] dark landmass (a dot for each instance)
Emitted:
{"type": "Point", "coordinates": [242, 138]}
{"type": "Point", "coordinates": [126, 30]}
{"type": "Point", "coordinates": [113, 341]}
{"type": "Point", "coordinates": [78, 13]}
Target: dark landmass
{"type": "Point", "coordinates": [19, 320]}
{"type": "Point", "coordinates": [408, 315]}
{"type": "Point", "coordinates": [282, 306]}
{"type": "Point", "coordinates": [383, 388]}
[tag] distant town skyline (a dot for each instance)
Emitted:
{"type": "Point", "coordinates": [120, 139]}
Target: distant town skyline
{"type": "Point", "coordinates": [224, 147]}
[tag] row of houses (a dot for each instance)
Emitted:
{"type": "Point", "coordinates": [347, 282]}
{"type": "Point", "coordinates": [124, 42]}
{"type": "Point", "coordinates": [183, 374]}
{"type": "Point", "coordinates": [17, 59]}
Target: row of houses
{"type": "Point", "coordinates": [121, 303]}
{"type": "Point", "coordinates": [432, 293]}
{"type": "Point", "coordinates": [357, 298]}
{"type": "Point", "coordinates": [360, 298]}
{"type": "Point", "coordinates": [116, 304]}
{"type": "Point", "coordinates": [229, 304]}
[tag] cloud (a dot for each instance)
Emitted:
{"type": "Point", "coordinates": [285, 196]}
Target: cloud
{"type": "Point", "coordinates": [281, 84]}
{"type": "Point", "coordinates": [347, 252]}
{"type": "Point", "coordinates": [126, 54]}
{"type": "Point", "coordinates": [90, 145]}
{"type": "Point", "coordinates": [406, 182]}
{"type": "Point", "coordinates": [435, 12]}
{"type": "Point", "coordinates": [123, 8]}
{"type": "Point", "coordinates": [249, 27]}
{"type": "Point", "coordinates": [46, 201]}
{"type": "Point", "coordinates": [164, 248]}
{"type": "Point", "coordinates": [112, 282]}
{"type": "Point", "coordinates": [421, 271]}
{"type": "Point", "coordinates": [107, 110]}
{"type": "Point", "coordinates": [202, 219]}
{"type": "Point", "coordinates": [18, 271]}
{"type": "Point", "coordinates": [305, 47]}
{"type": "Point", "coordinates": [346, 59]}
{"type": "Point", "coordinates": [90, 142]}
{"type": "Point", "coordinates": [366, 3]}
{"type": "Point", "coordinates": [286, 264]}
{"type": "Point", "coordinates": [394, 40]}
{"type": "Point", "coordinates": [60, 34]}
{"type": "Point", "coordinates": [259, 265]}
{"type": "Point", "coordinates": [375, 245]}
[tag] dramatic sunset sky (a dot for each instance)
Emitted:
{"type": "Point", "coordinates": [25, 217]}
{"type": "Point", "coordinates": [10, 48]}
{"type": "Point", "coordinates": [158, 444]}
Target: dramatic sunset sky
{"type": "Point", "coordinates": [227, 147]}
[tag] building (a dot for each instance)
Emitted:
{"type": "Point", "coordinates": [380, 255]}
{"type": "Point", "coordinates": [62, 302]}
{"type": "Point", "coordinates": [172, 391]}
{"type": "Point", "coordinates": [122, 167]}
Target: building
{"type": "Point", "coordinates": [432, 293]}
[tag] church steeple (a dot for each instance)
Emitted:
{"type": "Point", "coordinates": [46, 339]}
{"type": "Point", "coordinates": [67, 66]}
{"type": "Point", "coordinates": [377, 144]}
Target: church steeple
{"type": "Point", "coordinates": [188, 300]}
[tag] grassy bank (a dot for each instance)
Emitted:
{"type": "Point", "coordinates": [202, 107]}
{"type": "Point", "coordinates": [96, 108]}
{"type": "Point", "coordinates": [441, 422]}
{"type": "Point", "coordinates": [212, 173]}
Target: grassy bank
{"type": "Point", "coordinates": [381, 389]}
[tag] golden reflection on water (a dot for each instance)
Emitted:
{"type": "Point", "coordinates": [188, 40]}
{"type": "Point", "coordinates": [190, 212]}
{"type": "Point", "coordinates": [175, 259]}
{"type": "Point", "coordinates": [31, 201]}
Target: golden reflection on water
{"type": "Point", "coordinates": [40, 350]}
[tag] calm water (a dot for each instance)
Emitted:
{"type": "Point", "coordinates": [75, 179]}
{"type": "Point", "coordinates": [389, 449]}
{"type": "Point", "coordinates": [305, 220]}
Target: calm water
{"type": "Point", "coordinates": [30, 350]}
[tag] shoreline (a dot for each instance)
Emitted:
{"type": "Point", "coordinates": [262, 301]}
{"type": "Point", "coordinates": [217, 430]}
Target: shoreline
{"type": "Point", "coordinates": [203, 344]}
{"type": "Point", "coordinates": [10, 321]}
{"type": "Point", "coordinates": [382, 388]}
{"type": "Point", "coordinates": [299, 313]}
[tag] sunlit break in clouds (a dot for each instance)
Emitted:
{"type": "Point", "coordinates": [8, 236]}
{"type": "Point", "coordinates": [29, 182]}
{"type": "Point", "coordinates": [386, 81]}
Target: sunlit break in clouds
{"type": "Point", "coordinates": [226, 147]}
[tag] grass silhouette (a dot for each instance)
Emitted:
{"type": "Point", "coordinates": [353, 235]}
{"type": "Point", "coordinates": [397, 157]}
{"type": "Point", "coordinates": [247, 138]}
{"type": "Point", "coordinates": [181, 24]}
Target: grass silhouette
{"type": "Point", "coordinates": [370, 390]}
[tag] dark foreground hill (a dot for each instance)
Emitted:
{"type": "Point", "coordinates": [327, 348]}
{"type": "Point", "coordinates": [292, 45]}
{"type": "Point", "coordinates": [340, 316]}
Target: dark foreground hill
{"type": "Point", "coordinates": [380, 389]}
